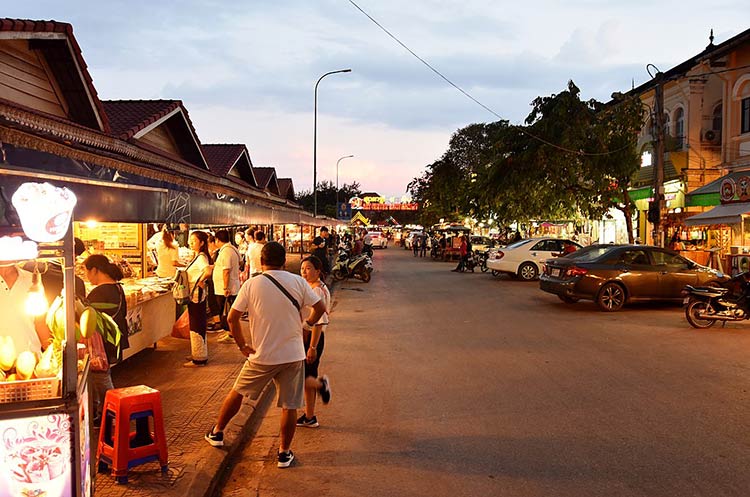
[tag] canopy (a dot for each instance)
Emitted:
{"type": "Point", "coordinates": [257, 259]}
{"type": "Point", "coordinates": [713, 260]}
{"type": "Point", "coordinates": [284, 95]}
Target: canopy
{"type": "Point", "coordinates": [721, 214]}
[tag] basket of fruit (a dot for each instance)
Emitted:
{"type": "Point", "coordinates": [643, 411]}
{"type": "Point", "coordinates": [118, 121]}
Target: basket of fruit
{"type": "Point", "coordinates": [23, 377]}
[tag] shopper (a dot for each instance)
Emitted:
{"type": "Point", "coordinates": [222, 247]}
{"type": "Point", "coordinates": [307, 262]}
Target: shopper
{"type": "Point", "coordinates": [167, 256]}
{"type": "Point", "coordinates": [253, 253]}
{"type": "Point", "coordinates": [199, 270]}
{"type": "Point", "coordinates": [107, 296]}
{"type": "Point", "coordinates": [226, 280]}
{"type": "Point", "coordinates": [320, 250]}
{"type": "Point", "coordinates": [314, 341]}
{"type": "Point", "coordinates": [275, 350]}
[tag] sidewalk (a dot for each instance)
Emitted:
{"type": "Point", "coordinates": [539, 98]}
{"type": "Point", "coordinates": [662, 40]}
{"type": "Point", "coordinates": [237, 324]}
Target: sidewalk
{"type": "Point", "coordinates": [191, 398]}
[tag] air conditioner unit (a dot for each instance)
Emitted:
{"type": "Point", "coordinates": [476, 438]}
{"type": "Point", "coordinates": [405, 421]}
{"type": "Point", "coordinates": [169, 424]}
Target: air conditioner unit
{"type": "Point", "coordinates": [712, 136]}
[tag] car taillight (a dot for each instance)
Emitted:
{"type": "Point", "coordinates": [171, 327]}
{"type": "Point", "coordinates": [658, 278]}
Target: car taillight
{"type": "Point", "coordinates": [499, 254]}
{"type": "Point", "coordinates": [576, 271]}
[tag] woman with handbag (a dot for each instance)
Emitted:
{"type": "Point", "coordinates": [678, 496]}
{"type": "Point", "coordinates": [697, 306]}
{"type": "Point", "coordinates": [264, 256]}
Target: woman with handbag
{"type": "Point", "coordinates": [108, 297]}
{"type": "Point", "coordinates": [198, 271]}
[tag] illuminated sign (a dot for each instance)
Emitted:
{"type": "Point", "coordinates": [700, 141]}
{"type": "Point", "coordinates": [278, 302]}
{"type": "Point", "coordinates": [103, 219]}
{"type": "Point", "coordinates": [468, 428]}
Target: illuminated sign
{"type": "Point", "coordinates": [371, 203]}
{"type": "Point", "coordinates": [44, 210]}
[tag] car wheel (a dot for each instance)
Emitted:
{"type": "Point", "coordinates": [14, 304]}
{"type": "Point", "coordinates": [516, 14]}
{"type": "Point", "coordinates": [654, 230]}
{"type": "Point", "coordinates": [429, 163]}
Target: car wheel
{"type": "Point", "coordinates": [611, 297]}
{"type": "Point", "coordinates": [567, 299]}
{"type": "Point", "coordinates": [528, 271]}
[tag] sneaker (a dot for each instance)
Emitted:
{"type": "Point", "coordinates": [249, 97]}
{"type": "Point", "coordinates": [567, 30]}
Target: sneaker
{"type": "Point", "coordinates": [215, 439]}
{"type": "Point", "coordinates": [285, 459]}
{"type": "Point", "coordinates": [225, 339]}
{"type": "Point", "coordinates": [325, 390]}
{"type": "Point", "coordinates": [308, 423]}
{"type": "Point", "coordinates": [193, 364]}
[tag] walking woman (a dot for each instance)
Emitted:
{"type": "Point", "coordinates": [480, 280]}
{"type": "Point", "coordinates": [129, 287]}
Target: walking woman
{"type": "Point", "coordinates": [314, 340]}
{"type": "Point", "coordinates": [107, 297]}
{"type": "Point", "coordinates": [198, 271]}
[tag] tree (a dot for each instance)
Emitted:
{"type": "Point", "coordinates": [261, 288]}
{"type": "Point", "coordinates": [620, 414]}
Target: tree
{"type": "Point", "coordinates": [327, 197]}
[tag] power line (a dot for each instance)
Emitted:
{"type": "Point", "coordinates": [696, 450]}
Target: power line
{"type": "Point", "coordinates": [469, 96]}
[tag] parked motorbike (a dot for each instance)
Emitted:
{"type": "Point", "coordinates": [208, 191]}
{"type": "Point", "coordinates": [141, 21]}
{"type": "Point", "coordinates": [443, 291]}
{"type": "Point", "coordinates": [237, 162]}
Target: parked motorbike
{"type": "Point", "coordinates": [359, 266]}
{"type": "Point", "coordinates": [367, 250]}
{"type": "Point", "coordinates": [481, 258]}
{"type": "Point", "coordinates": [705, 306]}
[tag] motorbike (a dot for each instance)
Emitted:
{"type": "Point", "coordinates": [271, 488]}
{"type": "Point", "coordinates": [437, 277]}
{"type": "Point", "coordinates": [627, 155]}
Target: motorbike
{"type": "Point", "coordinates": [705, 306]}
{"type": "Point", "coordinates": [359, 266]}
{"type": "Point", "coordinates": [481, 258]}
{"type": "Point", "coordinates": [367, 250]}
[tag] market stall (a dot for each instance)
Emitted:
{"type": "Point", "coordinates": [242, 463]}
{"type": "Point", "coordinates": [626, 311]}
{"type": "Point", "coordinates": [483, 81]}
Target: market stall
{"type": "Point", "coordinates": [44, 399]}
{"type": "Point", "coordinates": [151, 308]}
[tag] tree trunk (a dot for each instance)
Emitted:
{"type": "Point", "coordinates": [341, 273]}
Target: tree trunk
{"type": "Point", "coordinates": [627, 211]}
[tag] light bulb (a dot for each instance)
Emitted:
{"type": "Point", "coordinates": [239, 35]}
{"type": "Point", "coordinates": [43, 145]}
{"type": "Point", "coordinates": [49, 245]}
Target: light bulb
{"type": "Point", "coordinates": [36, 301]}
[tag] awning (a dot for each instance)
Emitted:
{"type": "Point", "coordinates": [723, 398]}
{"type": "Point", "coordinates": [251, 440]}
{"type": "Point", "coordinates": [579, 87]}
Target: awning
{"type": "Point", "coordinates": [721, 214]}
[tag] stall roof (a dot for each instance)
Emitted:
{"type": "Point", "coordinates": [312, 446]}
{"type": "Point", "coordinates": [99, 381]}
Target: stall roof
{"type": "Point", "coordinates": [230, 159]}
{"type": "Point", "coordinates": [286, 188]}
{"type": "Point", "coordinates": [267, 179]}
{"type": "Point", "coordinates": [721, 214]}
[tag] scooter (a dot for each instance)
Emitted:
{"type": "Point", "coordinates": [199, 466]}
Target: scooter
{"type": "Point", "coordinates": [359, 266]}
{"type": "Point", "coordinates": [705, 306]}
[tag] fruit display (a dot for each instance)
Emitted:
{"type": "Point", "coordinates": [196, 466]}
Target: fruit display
{"type": "Point", "coordinates": [26, 365]}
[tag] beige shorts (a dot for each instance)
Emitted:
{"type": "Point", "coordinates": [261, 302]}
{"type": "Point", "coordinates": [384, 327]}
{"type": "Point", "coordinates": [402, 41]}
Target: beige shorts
{"type": "Point", "coordinates": [289, 379]}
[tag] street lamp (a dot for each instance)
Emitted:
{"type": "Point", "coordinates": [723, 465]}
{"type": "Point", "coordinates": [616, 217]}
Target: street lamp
{"type": "Point", "coordinates": [337, 177]}
{"type": "Point", "coordinates": [315, 142]}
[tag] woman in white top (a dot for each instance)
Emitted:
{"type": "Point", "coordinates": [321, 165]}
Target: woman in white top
{"type": "Point", "coordinates": [314, 340]}
{"type": "Point", "coordinates": [198, 271]}
{"type": "Point", "coordinates": [168, 256]}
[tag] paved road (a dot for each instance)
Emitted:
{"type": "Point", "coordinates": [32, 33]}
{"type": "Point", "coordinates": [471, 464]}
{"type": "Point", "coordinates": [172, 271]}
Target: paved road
{"type": "Point", "coordinates": [450, 384]}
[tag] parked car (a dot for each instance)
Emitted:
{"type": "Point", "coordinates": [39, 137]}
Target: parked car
{"type": "Point", "coordinates": [480, 243]}
{"type": "Point", "coordinates": [409, 240]}
{"type": "Point", "coordinates": [613, 275]}
{"type": "Point", "coordinates": [378, 239]}
{"type": "Point", "coordinates": [524, 258]}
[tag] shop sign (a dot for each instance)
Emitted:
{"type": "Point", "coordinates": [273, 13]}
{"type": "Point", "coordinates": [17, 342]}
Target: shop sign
{"type": "Point", "coordinates": [36, 455]}
{"type": "Point", "coordinates": [382, 204]}
{"type": "Point", "coordinates": [735, 190]}
{"type": "Point", "coordinates": [45, 210]}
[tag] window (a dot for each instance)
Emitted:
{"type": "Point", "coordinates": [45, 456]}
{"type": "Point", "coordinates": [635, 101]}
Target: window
{"type": "Point", "coordinates": [647, 158]}
{"type": "Point", "coordinates": [679, 126]}
{"type": "Point", "coordinates": [717, 118]}
{"type": "Point", "coordinates": [667, 259]}
{"type": "Point", "coordinates": [635, 257]}
{"type": "Point", "coordinates": [745, 115]}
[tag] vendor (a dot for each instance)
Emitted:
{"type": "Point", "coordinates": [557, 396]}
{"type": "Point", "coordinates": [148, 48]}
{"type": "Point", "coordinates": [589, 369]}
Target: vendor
{"type": "Point", "coordinates": [28, 333]}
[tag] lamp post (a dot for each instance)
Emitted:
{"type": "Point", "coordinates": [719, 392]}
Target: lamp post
{"type": "Point", "coordinates": [337, 177]}
{"type": "Point", "coordinates": [315, 142]}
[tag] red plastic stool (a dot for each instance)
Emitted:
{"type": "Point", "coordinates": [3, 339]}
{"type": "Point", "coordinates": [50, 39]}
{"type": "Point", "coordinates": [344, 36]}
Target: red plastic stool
{"type": "Point", "coordinates": [123, 448]}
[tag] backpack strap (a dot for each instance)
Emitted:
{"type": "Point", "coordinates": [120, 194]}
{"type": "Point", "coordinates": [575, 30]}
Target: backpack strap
{"type": "Point", "coordinates": [284, 291]}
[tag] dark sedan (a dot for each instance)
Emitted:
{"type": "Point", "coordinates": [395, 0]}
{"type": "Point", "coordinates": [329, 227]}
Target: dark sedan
{"type": "Point", "coordinates": [613, 275]}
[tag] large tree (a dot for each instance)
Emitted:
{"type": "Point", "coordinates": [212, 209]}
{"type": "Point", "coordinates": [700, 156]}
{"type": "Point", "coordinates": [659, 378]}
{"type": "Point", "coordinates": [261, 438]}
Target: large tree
{"type": "Point", "coordinates": [327, 196]}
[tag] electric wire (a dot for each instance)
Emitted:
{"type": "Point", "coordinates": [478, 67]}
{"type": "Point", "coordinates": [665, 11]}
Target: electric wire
{"type": "Point", "coordinates": [469, 96]}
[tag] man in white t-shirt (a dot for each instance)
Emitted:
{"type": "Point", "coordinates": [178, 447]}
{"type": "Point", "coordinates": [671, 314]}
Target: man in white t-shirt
{"type": "Point", "coordinates": [226, 277]}
{"type": "Point", "coordinates": [253, 254]}
{"type": "Point", "coordinates": [273, 301]}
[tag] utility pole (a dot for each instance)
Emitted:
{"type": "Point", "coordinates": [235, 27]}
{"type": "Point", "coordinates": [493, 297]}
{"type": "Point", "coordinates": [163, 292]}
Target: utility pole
{"type": "Point", "coordinates": [655, 213]}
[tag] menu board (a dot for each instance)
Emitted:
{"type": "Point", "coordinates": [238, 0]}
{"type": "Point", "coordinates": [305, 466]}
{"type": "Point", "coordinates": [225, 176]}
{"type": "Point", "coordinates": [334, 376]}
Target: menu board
{"type": "Point", "coordinates": [109, 236]}
{"type": "Point", "coordinates": [36, 455]}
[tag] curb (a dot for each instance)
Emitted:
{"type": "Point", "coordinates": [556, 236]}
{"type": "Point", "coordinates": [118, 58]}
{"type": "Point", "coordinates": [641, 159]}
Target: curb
{"type": "Point", "coordinates": [209, 473]}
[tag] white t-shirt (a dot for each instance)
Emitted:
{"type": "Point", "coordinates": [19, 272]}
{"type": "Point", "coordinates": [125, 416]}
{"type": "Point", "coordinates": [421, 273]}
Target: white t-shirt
{"type": "Point", "coordinates": [16, 323]}
{"type": "Point", "coordinates": [228, 258]}
{"type": "Point", "coordinates": [275, 324]}
{"type": "Point", "coordinates": [325, 296]}
{"type": "Point", "coordinates": [167, 256]}
{"type": "Point", "coordinates": [253, 257]}
{"type": "Point", "coordinates": [196, 268]}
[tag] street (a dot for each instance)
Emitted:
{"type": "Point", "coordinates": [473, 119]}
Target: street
{"type": "Point", "coordinates": [449, 384]}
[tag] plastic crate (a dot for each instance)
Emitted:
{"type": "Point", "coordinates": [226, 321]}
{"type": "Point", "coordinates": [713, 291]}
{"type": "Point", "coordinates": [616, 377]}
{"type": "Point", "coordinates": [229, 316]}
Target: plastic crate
{"type": "Point", "coordinates": [23, 390]}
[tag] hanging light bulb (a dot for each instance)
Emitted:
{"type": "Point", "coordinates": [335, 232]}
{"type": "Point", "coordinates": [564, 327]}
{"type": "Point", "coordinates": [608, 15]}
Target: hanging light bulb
{"type": "Point", "coordinates": [36, 301]}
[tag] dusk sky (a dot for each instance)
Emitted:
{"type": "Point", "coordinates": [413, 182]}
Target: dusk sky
{"type": "Point", "coordinates": [246, 70]}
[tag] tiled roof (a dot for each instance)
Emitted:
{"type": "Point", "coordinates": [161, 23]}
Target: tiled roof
{"type": "Point", "coordinates": [221, 157]}
{"type": "Point", "coordinates": [128, 117]}
{"type": "Point", "coordinates": [286, 188]}
{"type": "Point", "coordinates": [41, 27]}
{"type": "Point", "coordinates": [264, 176]}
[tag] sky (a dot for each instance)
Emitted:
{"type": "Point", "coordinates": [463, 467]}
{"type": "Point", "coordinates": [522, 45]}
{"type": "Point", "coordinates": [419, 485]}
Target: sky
{"type": "Point", "coordinates": [246, 70]}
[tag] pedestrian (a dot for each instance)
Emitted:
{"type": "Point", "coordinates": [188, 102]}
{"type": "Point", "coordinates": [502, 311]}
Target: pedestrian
{"type": "Point", "coordinates": [463, 253]}
{"type": "Point", "coordinates": [415, 244]}
{"type": "Point", "coordinates": [213, 311]}
{"type": "Point", "coordinates": [320, 250]}
{"type": "Point", "coordinates": [198, 271]}
{"type": "Point", "coordinates": [314, 341]}
{"type": "Point", "coordinates": [107, 296]}
{"type": "Point", "coordinates": [423, 246]}
{"type": "Point", "coordinates": [275, 351]}
{"type": "Point", "coordinates": [226, 281]}
{"type": "Point", "coordinates": [253, 253]}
